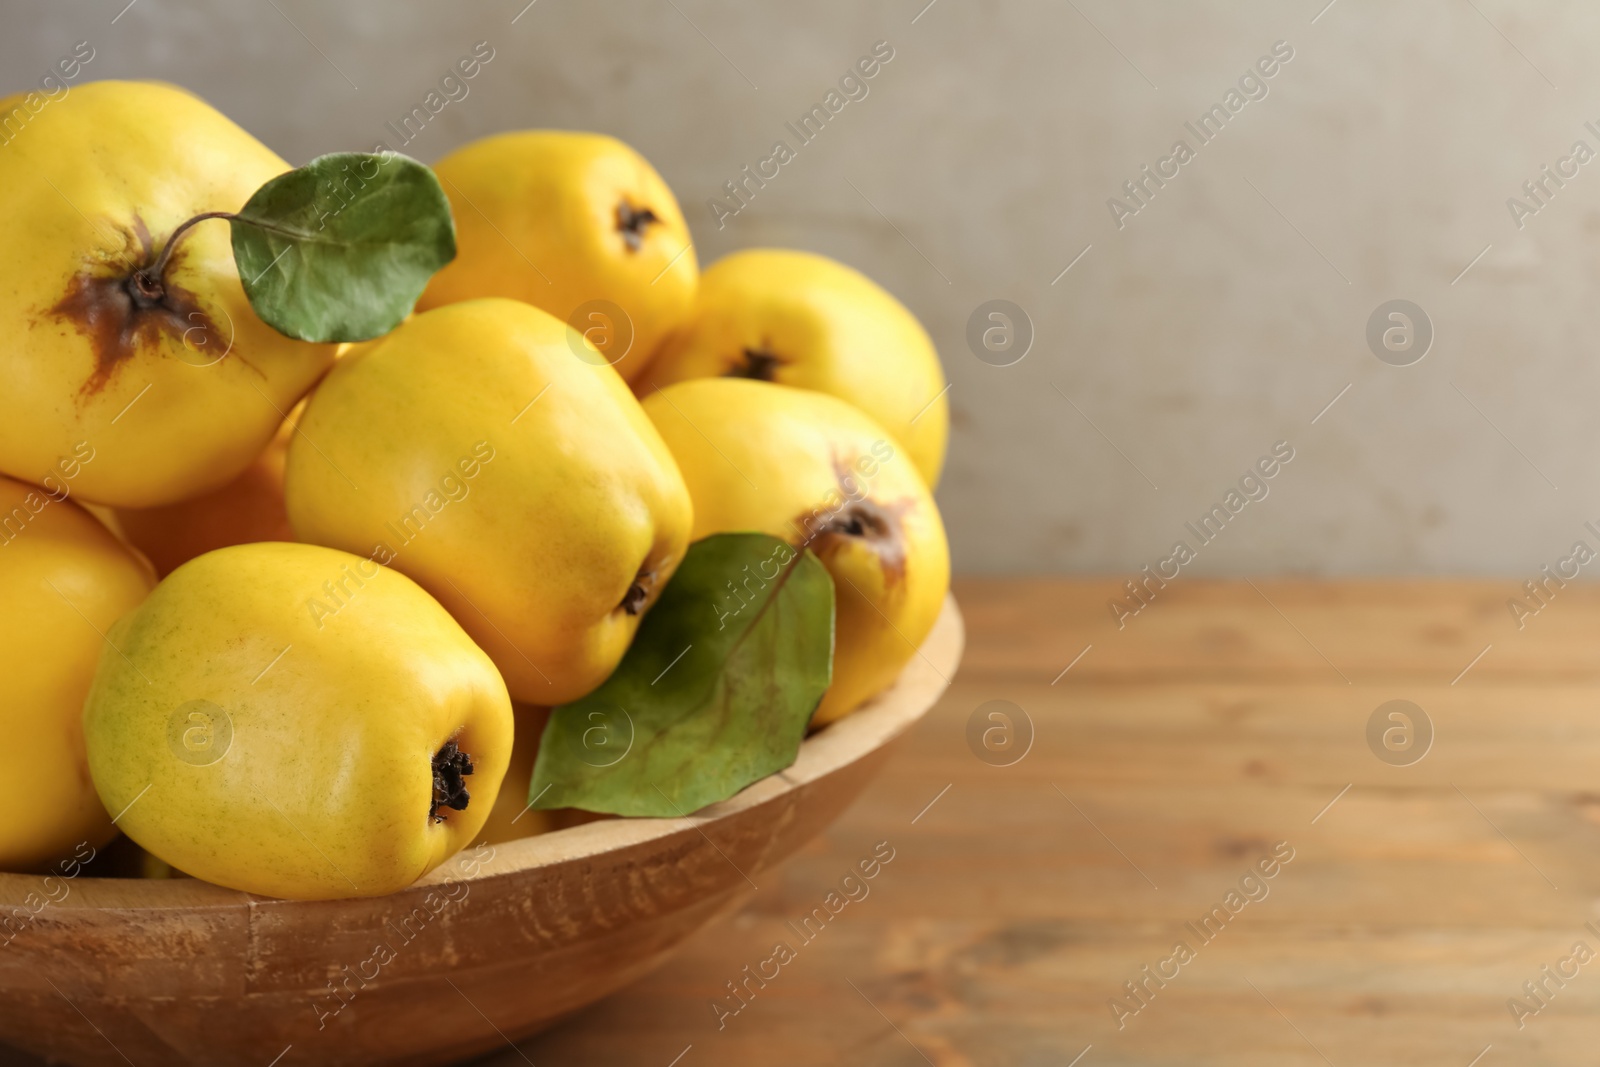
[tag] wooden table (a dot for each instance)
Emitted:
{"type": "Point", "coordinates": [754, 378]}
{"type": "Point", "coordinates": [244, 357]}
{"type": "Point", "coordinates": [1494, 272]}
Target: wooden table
{"type": "Point", "coordinates": [1173, 756]}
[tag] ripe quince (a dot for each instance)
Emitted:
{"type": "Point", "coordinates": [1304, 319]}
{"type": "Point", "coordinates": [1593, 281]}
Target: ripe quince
{"type": "Point", "coordinates": [578, 224]}
{"type": "Point", "coordinates": [800, 319]}
{"type": "Point", "coordinates": [64, 580]}
{"type": "Point", "coordinates": [249, 508]}
{"type": "Point", "coordinates": [173, 382]}
{"type": "Point", "coordinates": [251, 737]}
{"type": "Point", "coordinates": [513, 817]}
{"type": "Point", "coordinates": [477, 450]}
{"type": "Point", "coordinates": [812, 469]}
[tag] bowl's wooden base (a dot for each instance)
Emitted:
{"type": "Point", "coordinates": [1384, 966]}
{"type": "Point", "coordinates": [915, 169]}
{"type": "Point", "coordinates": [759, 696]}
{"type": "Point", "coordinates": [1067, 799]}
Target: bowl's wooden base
{"type": "Point", "coordinates": [181, 972]}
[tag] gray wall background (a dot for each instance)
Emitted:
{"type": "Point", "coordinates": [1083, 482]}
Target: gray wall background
{"type": "Point", "coordinates": [1220, 319]}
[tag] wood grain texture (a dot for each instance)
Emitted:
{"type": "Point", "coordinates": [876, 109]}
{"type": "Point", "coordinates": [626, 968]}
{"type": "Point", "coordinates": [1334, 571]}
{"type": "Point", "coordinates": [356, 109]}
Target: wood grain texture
{"type": "Point", "coordinates": [1190, 742]}
{"type": "Point", "coordinates": [492, 946]}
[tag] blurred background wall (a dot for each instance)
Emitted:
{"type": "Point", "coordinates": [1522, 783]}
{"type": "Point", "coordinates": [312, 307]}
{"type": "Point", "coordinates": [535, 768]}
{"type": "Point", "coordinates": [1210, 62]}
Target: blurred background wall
{"type": "Point", "coordinates": [1216, 312]}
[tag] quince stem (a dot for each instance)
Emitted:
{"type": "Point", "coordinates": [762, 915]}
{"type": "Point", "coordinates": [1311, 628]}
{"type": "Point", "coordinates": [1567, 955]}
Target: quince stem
{"type": "Point", "coordinates": [147, 285]}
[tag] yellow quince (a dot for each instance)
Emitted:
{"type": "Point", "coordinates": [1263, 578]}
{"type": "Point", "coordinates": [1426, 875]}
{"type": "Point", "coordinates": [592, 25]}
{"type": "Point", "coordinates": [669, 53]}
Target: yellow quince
{"type": "Point", "coordinates": [812, 469]}
{"type": "Point", "coordinates": [171, 382]}
{"type": "Point", "coordinates": [800, 319]}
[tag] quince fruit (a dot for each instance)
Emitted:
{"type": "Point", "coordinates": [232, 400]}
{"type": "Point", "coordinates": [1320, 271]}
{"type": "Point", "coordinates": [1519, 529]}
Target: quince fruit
{"type": "Point", "coordinates": [476, 451]}
{"type": "Point", "coordinates": [578, 224]}
{"type": "Point", "coordinates": [64, 580]}
{"type": "Point", "coordinates": [811, 469]}
{"type": "Point", "coordinates": [249, 508]}
{"type": "Point", "coordinates": [800, 319]}
{"type": "Point", "coordinates": [513, 817]}
{"type": "Point", "coordinates": [172, 381]}
{"type": "Point", "coordinates": [252, 740]}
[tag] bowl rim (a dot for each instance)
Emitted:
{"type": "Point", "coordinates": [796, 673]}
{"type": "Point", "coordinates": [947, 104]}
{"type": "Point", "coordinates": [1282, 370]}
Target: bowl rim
{"type": "Point", "coordinates": [875, 724]}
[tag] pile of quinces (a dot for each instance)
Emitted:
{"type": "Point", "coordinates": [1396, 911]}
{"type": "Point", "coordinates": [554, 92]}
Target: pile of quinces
{"type": "Point", "coordinates": [321, 488]}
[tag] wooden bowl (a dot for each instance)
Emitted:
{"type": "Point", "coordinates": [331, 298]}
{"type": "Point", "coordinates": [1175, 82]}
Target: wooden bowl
{"type": "Point", "coordinates": [487, 949]}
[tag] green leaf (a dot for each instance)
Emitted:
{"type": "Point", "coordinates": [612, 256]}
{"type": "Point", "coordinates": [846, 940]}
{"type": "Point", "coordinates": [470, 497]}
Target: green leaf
{"type": "Point", "coordinates": [341, 248]}
{"type": "Point", "coordinates": [714, 693]}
